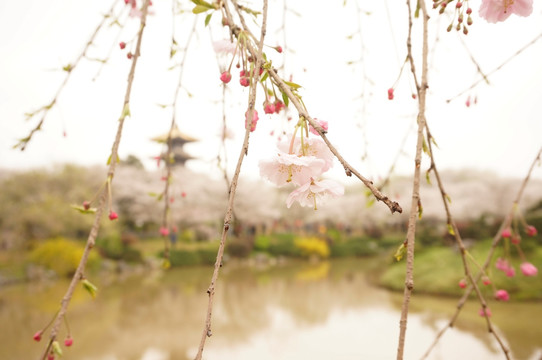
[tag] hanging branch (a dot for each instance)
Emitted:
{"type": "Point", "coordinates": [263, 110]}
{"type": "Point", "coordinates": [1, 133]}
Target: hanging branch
{"type": "Point", "coordinates": [233, 187]}
{"type": "Point", "coordinates": [415, 203]}
{"type": "Point", "coordinates": [22, 143]}
{"type": "Point", "coordinates": [505, 224]}
{"type": "Point", "coordinates": [486, 77]}
{"type": "Point", "coordinates": [104, 195]}
{"type": "Point", "coordinates": [168, 157]}
{"type": "Point", "coordinates": [454, 231]}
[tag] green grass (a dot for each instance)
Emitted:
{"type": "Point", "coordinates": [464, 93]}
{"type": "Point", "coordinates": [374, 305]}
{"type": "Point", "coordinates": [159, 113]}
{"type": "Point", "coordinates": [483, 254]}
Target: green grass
{"type": "Point", "coordinates": [437, 271]}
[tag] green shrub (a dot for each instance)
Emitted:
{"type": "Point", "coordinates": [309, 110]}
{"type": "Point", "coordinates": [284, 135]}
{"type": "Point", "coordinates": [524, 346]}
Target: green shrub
{"type": "Point", "coordinates": [115, 248]}
{"type": "Point", "coordinates": [184, 258]}
{"type": "Point", "coordinates": [61, 255]}
{"type": "Point", "coordinates": [262, 242]}
{"type": "Point", "coordinates": [355, 246]}
{"type": "Point", "coordinates": [208, 255]}
{"type": "Point", "coordinates": [283, 244]}
{"type": "Point", "coordinates": [239, 248]}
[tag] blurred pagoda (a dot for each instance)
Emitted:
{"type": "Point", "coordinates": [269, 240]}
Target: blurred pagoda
{"type": "Point", "coordinates": [178, 140]}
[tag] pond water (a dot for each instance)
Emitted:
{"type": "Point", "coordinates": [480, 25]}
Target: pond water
{"type": "Point", "coordinates": [325, 310]}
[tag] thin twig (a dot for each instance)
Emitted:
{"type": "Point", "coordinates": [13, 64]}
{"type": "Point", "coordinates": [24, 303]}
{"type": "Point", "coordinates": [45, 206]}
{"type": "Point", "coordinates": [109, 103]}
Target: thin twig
{"type": "Point", "coordinates": [422, 91]}
{"type": "Point", "coordinates": [462, 250]}
{"type": "Point", "coordinates": [506, 223]}
{"type": "Point", "coordinates": [68, 69]}
{"type": "Point", "coordinates": [169, 162]}
{"type": "Point", "coordinates": [79, 273]}
{"type": "Point", "coordinates": [244, 150]}
{"type": "Point", "coordinates": [538, 37]}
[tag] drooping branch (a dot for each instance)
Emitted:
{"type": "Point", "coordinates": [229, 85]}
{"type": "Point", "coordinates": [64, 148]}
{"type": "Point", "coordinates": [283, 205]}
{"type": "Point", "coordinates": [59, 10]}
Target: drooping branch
{"type": "Point", "coordinates": [68, 69]}
{"type": "Point", "coordinates": [486, 76]}
{"type": "Point", "coordinates": [454, 231]}
{"type": "Point", "coordinates": [496, 239]}
{"type": "Point", "coordinates": [415, 203]}
{"type": "Point", "coordinates": [104, 196]}
{"type": "Point", "coordinates": [233, 187]}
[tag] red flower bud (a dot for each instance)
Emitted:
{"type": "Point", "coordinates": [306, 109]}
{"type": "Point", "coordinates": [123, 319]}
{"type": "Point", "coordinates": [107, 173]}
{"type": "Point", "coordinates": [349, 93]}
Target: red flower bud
{"type": "Point", "coordinates": [37, 336]}
{"type": "Point", "coordinates": [68, 341]}
{"type": "Point", "coordinates": [122, 45]}
{"type": "Point", "coordinates": [86, 205]}
{"type": "Point", "coordinates": [113, 215]}
{"type": "Point", "coordinates": [462, 283]}
{"type": "Point", "coordinates": [225, 77]}
{"type": "Point", "coordinates": [390, 94]}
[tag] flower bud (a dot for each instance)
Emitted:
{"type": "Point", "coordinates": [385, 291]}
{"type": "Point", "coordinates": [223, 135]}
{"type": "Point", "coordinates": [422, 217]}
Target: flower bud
{"type": "Point", "coordinates": [122, 45]}
{"type": "Point", "coordinates": [37, 336]}
{"type": "Point", "coordinates": [225, 77]}
{"type": "Point", "coordinates": [390, 94]}
{"type": "Point", "coordinates": [531, 230]}
{"type": "Point", "coordinates": [113, 215]}
{"type": "Point", "coordinates": [502, 295]}
{"type": "Point", "coordinates": [68, 341]}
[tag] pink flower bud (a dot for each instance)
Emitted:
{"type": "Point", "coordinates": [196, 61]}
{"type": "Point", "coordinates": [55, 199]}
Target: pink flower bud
{"type": "Point", "coordinates": [390, 94]}
{"type": "Point", "coordinates": [486, 281]}
{"type": "Point", "coordinates": [269, 108]}
{"type": "Point", "coordinates": [528, 269]}
{"type": "Point", "coordinates": [113, 215]}
{"type": "Point", "coordinates": [37, 336]}
{"type": "Point", "coordinates": [531, 230]}
{"type": "Point", "coordinates": [486, 313]}
{"type": "Point", "coordinates": [502, 295]}
{"type": "Point", "coordinates": [469, 11]}
{"type": "Point", "coordinates": [462, 283]}
{"type": "Point", "coordinates": [244, 81]}
{"type": "Point", "coordinates": [516, 239]}
{"type": "Point", "coordinates": [225, 77]}
{"type": "Point", "coordinates": [51, 356]}
{"type": "Point", "coordinates": [183, 194]}
{"type": "Point", "coordinates": [506, 233]}
{"type": "Point", "coordinates": [458, 4]}
{"type": "Point", "coordinates": [510, 272]}
{"type": "Point", "coordinates": [122, 45]}
{"type": "Point", "coordinates": [322, 123]}
{"type": "Point", "coordinates": [279, 105]}
{"type": "Point", "coordinates": [164, 231]}
{"type": "Point", "coordinates": [254, 120]}
{"type": "Point", "coordinates": [68, 341]}
{"type": "Point", "coordinates": [129, 55]}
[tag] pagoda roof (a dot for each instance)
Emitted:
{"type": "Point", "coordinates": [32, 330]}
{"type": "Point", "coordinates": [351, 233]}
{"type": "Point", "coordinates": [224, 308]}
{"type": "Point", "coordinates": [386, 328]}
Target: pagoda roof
{"type": "Point", "coordinates": [176, 134]}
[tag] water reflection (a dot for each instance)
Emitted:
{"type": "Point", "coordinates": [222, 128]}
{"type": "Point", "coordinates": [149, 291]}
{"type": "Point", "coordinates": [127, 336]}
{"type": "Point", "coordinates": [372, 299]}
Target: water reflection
{"type": "Point", "coordinates": [293, 311]}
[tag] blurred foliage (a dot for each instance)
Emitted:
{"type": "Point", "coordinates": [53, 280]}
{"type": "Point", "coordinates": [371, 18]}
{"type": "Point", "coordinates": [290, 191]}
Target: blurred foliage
{"type": "Point", "coordinates": [239, 247]}
{"type": "Point", "coordinates": [35, 205]}
{"type": "Point", "coordinates": [119, 248]}
{"type": "Point", "coordinates": [61, 255]}
{"type": "Point", "coordinates": [355, 246]}
{"type": "Point", "coordinates": [312, 246]}
{"type": "Point", "coordinates": [283, 244]}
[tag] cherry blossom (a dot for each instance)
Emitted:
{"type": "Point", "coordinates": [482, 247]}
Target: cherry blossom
{"type": "Point", "coordinates": [313, 191]}
{"type": "Point", "coordinates": [528, 269]}
{"type": "Point", "coordinates": [286, 168]}
{"type": "Point", "coordinates": [499, 10]}
{"type": "Point", "coordinates": [311, 147]}
{"type": "Point", "coordinates": [502, 295]}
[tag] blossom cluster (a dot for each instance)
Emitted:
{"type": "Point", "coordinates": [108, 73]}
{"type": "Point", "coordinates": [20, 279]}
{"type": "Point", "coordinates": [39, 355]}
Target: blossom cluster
{"type": "Point", "coordinates": [302, 161]}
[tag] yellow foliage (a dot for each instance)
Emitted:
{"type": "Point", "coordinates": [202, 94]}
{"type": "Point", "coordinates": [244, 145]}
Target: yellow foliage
{"type": "Point", "coordinates": [312, 246]}
{"type": "Point", "coordinates": [61, 255]}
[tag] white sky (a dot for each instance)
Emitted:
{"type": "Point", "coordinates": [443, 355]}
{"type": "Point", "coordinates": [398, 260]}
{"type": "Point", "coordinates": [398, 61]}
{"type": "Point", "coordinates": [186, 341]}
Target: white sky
{"type": "Point", "coordinates": [502, 133]}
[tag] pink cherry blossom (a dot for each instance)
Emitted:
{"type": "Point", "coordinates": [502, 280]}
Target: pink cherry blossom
{"type": "Point", "coordinates": [506, 233]}
{"type": "Point", "coordinates": [528, 269]}
{"type": "Point", "coordinates": [531, 230]}
{"type": "Point", "coordinates": [502, 264]}
{"type": "Point", "coordinates": [269, 108]}
{"type": "Point", "coordinates": [254, 120]}
{"type": "Point", "coordinates": [311, 147]}
{"type": "Point", "coordinates": [224, 47]}
{"type": "Point", "coordinates": [286, 168]}
{"type": "Point", "coordinates": [322, 123]}
{"type": "Point", "coordinates": [502, 295]}
{"type": "Point", "coordinates": [510, 272]}
{"type": "Point", "coordinates": [499, 10]}
{"type": "Point", "coordinates": [311, 192]}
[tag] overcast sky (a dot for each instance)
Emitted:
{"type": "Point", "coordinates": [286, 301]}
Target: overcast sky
{"type": "Point", "coordinates": [501, 133]}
